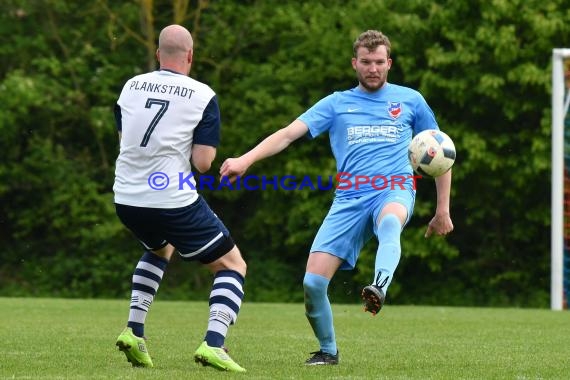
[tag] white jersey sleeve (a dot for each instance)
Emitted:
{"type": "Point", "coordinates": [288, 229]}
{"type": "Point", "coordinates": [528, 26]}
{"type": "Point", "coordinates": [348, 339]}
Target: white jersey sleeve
{"type": "Point", "coordinates": [160, 115]}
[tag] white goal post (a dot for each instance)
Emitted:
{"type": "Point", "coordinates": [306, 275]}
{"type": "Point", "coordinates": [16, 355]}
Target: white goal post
{"type": "Point", "coordinates": [559, 110]}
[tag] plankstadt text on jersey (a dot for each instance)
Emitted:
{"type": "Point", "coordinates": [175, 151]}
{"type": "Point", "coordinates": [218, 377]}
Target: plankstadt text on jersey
{"type": "Point", "coordinates": [159, 88]}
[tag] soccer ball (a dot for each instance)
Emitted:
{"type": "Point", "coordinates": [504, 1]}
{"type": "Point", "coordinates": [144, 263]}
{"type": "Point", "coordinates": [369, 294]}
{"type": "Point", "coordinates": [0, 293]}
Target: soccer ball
{"type": "Point", "coordinates": [431, 153]}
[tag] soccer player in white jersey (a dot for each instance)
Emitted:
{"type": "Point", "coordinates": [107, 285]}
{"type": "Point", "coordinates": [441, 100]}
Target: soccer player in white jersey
{"type": "Point", "coordinates": [169, 122]}
{"type": "Point", "coordinates": [370, 127]}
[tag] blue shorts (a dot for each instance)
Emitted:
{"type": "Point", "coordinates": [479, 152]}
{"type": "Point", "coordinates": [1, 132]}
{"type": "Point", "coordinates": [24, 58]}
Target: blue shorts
{"type": "Point", "coordinates": [350, 223]}
{"type": "Point", "coordinates": [195, 231]}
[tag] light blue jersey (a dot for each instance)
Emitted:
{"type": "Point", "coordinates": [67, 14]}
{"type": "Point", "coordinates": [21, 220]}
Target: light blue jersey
{"type": "Point", "coordinates": [370, 133]}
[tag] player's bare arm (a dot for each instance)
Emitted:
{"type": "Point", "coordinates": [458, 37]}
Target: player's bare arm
{"type": "Point", "coordinates": [273, 144]}
{"type": "Point", "coordinates": [441, 223]}
{"type": "Point", "coordinates": [202, 157]}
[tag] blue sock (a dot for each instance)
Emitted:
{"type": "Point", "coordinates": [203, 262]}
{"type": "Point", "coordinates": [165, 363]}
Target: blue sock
{"type": "Point", "coordinates": [389, 251]}
{"type": "Point", "coordinates": [146, 279]}
{"type": "Point", "coordinates": [225, 302]}
{"type": "Point", "coordinates": [318, 311]}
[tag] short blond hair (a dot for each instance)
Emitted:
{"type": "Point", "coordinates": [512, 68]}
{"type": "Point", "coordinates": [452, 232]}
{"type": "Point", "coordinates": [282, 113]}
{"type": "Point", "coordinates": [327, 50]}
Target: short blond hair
{"type": "Point", "coordinates": [371, 39]}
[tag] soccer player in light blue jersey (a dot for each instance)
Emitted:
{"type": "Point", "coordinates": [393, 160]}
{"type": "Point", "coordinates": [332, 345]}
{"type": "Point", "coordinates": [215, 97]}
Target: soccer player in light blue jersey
{"type": "Point", "coordinates": [369, 127]}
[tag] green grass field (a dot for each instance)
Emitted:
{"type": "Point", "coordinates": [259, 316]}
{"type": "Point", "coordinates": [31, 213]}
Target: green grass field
{"type": "Point", "coordinates": [74, 339]}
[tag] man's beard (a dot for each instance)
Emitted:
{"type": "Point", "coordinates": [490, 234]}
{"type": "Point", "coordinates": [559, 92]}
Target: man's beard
{"type": "Point", "coordinates": [376, 87]}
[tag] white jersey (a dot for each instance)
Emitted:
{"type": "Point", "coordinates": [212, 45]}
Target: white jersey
{"type": "Point", "coordinates": [160, 115]}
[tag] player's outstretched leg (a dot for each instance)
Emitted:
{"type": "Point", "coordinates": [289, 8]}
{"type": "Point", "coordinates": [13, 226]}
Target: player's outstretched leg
{"type": "Point", "coordinates": [387, 259]}
{"type": "Point", "coordinates": [134, 348]}
{"type": "Point", "coordinates": [373, 297]}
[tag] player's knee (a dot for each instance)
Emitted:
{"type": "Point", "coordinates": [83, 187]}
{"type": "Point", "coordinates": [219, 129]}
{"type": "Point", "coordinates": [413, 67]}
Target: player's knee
{"type": "Point", "coordinates": [165, 252]}
{"type": "Point", "coordinates": [230, 261]}
{"type": "Point", "coordinates": [240, 264]}
{"type": "Point", "coordinates": [390, 224]}
{"type": "Point", "coordinates": [234, 261]}
{"type": "Point", "coordinates": [314, 284]}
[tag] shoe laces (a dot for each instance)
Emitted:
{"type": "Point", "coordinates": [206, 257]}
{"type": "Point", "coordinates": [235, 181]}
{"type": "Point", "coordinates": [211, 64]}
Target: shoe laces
{"type": "Point", "coordinates": [321, 354]}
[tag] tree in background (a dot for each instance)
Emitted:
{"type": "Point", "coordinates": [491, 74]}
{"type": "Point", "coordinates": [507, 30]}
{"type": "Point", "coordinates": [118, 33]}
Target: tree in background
{"type": "Point", "coordinates": [483, 66]}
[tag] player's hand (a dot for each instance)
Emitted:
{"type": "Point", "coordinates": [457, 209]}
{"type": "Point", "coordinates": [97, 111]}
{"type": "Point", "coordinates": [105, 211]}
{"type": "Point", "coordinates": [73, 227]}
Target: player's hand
{"type": "Point", "coordinates": [440, 225]}
{"type": "Point", "coordinates": [233, 167]}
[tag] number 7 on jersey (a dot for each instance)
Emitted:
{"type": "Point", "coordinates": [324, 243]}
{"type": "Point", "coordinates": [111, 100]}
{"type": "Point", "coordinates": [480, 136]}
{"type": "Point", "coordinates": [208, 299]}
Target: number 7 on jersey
{"type": "Point", "coordinates": [163, 107]}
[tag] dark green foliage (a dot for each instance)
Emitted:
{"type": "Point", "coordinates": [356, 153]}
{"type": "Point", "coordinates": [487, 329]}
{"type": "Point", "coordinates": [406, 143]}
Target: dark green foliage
{"type": "Point", "coordinates": [483, 67]}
